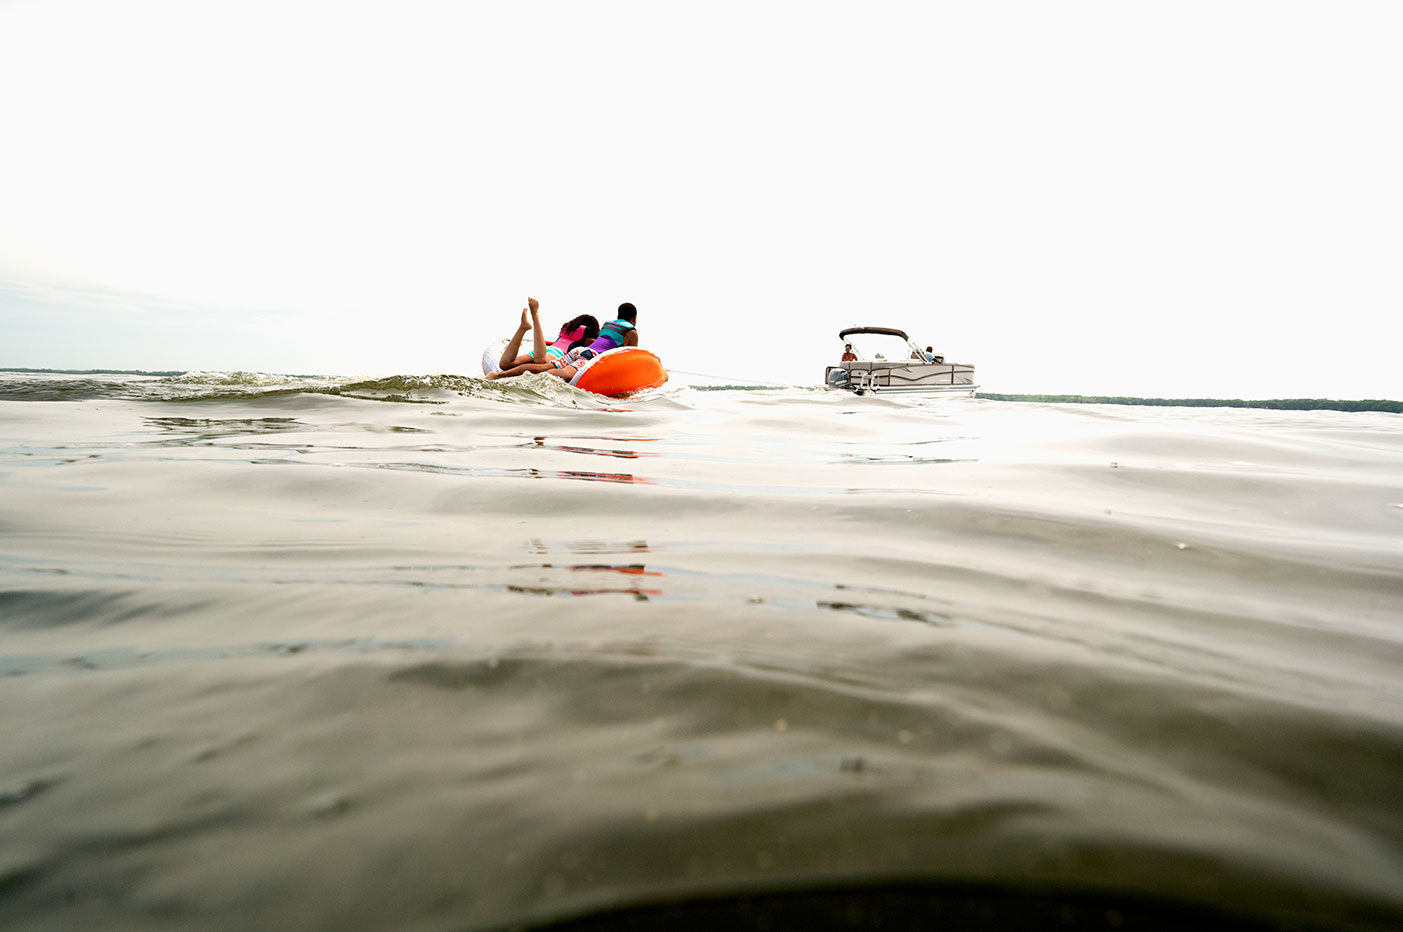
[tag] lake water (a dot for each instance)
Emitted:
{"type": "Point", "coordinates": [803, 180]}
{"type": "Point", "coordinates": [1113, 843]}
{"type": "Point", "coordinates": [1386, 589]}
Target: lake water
{"type": "Point", "coordinates": [436, 653]}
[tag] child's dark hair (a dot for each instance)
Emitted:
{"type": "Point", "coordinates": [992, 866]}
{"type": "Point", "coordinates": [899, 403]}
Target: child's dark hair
{"type": "Point", "coordinates": [628, 312]}
{"type": "Point", "coordinates": [591, 330]}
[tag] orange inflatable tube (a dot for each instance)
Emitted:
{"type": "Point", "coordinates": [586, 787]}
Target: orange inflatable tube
{"type": "Point", "coordinates": [621, 371]}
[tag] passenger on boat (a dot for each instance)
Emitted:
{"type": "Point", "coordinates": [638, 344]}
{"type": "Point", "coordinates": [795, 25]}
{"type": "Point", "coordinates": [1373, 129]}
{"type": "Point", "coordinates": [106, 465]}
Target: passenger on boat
{"type": "Point", "coordinates": [580, 331]}
{"type": "Point", "coordinates": [932, 357]}
{"type": "Point", "coordinates": [848, 354]}
{"type": "Point", "coordinates": [621, 331]}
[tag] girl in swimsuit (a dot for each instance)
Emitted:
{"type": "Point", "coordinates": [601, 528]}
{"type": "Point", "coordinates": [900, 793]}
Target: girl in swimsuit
{"type": "Point", "coordinates": [579, 332]}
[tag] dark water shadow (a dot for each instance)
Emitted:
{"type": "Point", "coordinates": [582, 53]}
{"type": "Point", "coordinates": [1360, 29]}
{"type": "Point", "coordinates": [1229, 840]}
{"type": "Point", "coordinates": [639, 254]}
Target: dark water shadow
{"type": "Point", "coordinates": [917, 907]}
{"type": "Point", "coordinates": [883, 604]}
{"type": "Point", "coordinates": [889, 613]}
{"type": "Point", "coordinates": [122, 658]}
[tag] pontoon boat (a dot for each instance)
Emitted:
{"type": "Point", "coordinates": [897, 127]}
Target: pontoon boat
{"type": "Point", "coordinates": [904, 368]}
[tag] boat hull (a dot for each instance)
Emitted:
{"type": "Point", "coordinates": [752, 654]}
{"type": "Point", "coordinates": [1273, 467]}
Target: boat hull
{"type": "Point", "coordinates": [882, 378]}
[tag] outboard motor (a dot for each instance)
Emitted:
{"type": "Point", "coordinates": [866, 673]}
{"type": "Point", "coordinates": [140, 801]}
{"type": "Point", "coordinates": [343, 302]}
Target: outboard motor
{"type": "Point", "coordinates": [837, 378]}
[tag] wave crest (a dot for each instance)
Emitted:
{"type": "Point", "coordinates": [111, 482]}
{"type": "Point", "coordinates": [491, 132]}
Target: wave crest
{"type": "Point", "coordinates": [216, 385]}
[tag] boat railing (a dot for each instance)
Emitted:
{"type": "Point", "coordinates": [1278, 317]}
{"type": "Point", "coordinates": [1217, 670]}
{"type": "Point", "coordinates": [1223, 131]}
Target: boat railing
{"type": "Point", "coordinates": [864, 371]}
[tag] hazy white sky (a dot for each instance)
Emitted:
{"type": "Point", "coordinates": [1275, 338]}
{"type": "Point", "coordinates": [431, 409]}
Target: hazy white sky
{"type": "Point", "coordinates": [1176, 199]}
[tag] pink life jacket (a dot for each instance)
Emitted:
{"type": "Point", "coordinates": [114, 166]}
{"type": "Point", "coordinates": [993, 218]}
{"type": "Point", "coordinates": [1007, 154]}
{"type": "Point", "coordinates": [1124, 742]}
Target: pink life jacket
{"type": "Point", "coordinates": [562, 342]}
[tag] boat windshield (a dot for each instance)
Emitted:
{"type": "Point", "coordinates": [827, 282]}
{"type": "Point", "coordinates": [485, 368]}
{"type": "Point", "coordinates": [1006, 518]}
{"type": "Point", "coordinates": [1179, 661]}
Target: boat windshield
{"type": "Point", "coordinates": [878, 347]}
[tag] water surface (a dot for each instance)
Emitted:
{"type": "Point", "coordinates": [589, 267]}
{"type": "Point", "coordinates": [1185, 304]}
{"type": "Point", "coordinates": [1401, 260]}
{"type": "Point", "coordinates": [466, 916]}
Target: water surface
{"type": "Point", "coordinates": [431, 652]}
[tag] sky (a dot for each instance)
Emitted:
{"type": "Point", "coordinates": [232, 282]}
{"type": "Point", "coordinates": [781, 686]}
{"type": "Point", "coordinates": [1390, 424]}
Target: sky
{"type": "Point", "coordinates": [1186, 199]}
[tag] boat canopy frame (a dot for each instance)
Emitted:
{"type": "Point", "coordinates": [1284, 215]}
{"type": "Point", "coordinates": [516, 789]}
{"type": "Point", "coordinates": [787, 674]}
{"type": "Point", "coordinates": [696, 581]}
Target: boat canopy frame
{"type": "Point", "coordinates": [887, 331]}
{"type": "Point", "coordinates": [916, 352]}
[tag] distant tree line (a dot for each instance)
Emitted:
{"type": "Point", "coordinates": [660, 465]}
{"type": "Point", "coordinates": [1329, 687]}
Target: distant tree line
{"type": "Point", "coordinates": [1285, 404]}
{"type": "Point", "coordinates": [165, 372]}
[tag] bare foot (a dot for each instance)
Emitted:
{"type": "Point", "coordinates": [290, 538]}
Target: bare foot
{"type": "Point", "coordinates": [525, 321]}
{"type": "Point", "coordinates": [533, 304]}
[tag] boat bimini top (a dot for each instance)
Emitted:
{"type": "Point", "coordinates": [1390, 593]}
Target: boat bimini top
{"type": "Point", "coordinates": [889, 331]}
{"type": "Point", "coordinates": [916, 352]}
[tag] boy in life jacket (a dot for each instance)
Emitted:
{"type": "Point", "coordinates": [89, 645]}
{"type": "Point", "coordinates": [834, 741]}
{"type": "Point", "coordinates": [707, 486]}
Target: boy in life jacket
{"type": "Point", "coordinates": [621, 331]}
{"type": "Point", "coordinates": [581, 331]}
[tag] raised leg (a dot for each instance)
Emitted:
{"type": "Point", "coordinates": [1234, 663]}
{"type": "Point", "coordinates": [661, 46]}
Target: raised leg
{"type": "Point", "coordinates": [539, 352]}
{"type": "Point", "coordinates": [509, 354]}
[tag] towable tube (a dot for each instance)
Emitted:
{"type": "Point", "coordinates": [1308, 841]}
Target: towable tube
{"type": "Point", "coordinates": [619, 371]}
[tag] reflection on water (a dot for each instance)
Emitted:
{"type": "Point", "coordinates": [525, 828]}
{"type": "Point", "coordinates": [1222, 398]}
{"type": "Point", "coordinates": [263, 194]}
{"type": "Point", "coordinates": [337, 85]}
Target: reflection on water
{"type": "Point", "coordinates": [540, 443]}
{"type": "Point", "coordinates": [901, 459]}
{"type": "Point", "coordinates": [539, 545]}
{"type": "Point", "coordinates": [214, 428]}
{"type": "Point", "coordinates": [623, 477]}
{"type": "Point", "coordinates": [486, 471]}
{"type": "Point", "coordinates": [203, 430]}
{"type": "Point", "coordinates": [631, 570]}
